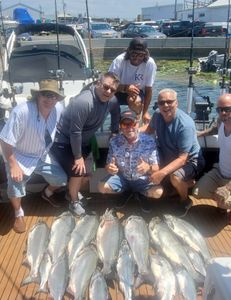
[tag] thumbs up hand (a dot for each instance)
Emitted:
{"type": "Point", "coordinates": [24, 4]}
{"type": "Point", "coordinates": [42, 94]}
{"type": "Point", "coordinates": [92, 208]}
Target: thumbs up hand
{"type": "Point", "coordinates": [142, 167]}
{"type": "Point", "coordinates": [112, 167]}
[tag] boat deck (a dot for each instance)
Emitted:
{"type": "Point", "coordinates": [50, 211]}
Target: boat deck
{"type": "Point", "coordinates": [204, 215]}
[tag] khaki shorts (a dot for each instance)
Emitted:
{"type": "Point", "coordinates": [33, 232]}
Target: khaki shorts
{"type": "Point", "coordinates": [208, 183]}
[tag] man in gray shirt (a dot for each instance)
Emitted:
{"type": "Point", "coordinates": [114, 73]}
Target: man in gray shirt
{"type": "Point", "coordinates": [80, 120]}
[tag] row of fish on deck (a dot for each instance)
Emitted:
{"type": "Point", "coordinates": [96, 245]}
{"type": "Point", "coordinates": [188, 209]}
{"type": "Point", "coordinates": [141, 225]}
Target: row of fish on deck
{"type": "Point", "coordinates": [80, 256]}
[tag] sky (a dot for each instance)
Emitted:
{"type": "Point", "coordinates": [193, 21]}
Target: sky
{"type": "Point", "coordinates": [124, 9]}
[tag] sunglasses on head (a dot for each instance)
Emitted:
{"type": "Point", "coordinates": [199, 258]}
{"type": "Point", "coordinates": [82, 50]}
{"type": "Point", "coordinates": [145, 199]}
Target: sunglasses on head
{"type": "Point", "coordinates": [49, 94]}
{"type": "Point", "coordinates": [107, 87]}
{"type": "Point", "coordinates": [226, 109]}
{"type": "Point", "coordinates": [130, 124]}
{"type": "Point", "coordinates": [137, 54]}
{"type": "Point", "coordinates": [163, 102]}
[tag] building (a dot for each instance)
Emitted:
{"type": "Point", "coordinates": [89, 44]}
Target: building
{"type": "Point", "coordinates": [207, 11]}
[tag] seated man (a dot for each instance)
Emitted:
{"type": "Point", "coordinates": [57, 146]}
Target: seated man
{"type": "Point", "coordinates": [26, 140]}
{"type": "Point", "coordinates": [216, 183]}
{"type": "Point", "coordinates": [132, 155]}
{"type": "Point", "coordinates": [181, 159]}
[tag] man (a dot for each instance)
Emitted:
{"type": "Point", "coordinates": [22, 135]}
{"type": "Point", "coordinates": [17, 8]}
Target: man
{"type": "Point", "coordinates": [180, 153]}
{"type": "Point", "coordinates": [216, 183]}
{"type": "Point", "coordinates": [78, 124]}
{"type": "Point", "coordinates": [136, 71]}
{"type": "Point", "coordinates": [132, 155]}
{"type": "Point", "coordinates": [25, 140]}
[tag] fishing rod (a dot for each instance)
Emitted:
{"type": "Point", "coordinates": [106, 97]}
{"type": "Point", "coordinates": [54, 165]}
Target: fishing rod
{"type": "Point", "coordinates": [59, 73]}
{"type": "Point", "coordinates": [89, 38]}
{"type": "Point", "coordinates": [226, 62]}
{"type": "Point", "coordinates": [191, 69]}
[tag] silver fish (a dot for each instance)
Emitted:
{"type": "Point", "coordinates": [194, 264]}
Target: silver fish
{"type": "Point", "coordinates": [98, 289]}
{"type": "Point", "coordinates": [58, 277]}
{"type": "Point", "coordinates": [83, 233]}
{"type": "Point", "coordinates": [165, 280]}
{"type": "Point", "coordinates": [197, 262]}
{"type": "Point", "coordinates": [37, 242]}
{"type": "Point", "coordinates": [44, 270]}
{"type": "Point", "coordinates": [60, 235]}
{"type": "Point", "coordinates": [166, 242]}
{"type": "Point", "coordinates": [186, 285]}
{"type": "Point", "coordinates": [136, 233]}
{"type": "Point", "coordinates": [126, 270]}
{"type": "Point", "coordinates": [108, 239]}
{"type": "Point", "coordinates": [189, 234]}
{"type": "Point", "coordinates": [81, 271]}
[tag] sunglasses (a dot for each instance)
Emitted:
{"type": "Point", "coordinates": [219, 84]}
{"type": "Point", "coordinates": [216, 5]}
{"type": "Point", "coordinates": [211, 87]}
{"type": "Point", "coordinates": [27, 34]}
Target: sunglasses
{"type": "Point", "coordinates": [49, 95]}
{"type": "Point", "coordinates": [225, 109]}
{"type": "Point", "coordinates": [163, 102]}
{"type": "Point", "coordinates": [137, 55]}
{"type": "Point", "coordinates": [107, 87]}
{"type": "Point", "coordinates": [127, 125]}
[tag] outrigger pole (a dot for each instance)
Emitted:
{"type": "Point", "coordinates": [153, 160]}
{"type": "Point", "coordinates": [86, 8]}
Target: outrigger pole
{"type": "Point", "coordinates": [225, 70]}
{"type": "Point", "coordinates": [191, 69]}
{"type": "Point", "coordinates": [89, 38]}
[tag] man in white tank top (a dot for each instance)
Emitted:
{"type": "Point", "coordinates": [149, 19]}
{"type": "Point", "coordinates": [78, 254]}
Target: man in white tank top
{"type": "Point", "coordinates": [216, 184]}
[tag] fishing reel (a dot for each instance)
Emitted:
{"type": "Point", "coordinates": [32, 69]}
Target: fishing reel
{"type": "Point", "coordinates": [191, 70]}
{"type": "Point", "coordinates": [202, 108]}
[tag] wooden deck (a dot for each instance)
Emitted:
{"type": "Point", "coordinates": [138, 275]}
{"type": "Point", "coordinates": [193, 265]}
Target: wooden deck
{"type": "Point", "coordinates": [210, 222]}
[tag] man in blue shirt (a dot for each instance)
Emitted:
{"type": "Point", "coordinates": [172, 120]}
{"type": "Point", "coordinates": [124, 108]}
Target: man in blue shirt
{"type": "Point", "coordinates": [180, 154]}
{"type": "Point", "coordinates": [131, 157]}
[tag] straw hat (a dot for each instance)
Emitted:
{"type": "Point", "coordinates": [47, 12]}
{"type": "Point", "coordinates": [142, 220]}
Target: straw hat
{"type": "Point", "coordinates": [49, 85]}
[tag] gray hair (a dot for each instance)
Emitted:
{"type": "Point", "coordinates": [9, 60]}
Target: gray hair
{"type": "Point", "coordinates": [170, 91]}
{"type": "Point", "coordinates": [112, 75]}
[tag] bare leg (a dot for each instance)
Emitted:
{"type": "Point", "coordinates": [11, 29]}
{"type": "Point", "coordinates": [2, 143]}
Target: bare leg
{"type": "Point", "coordinates": [74, 186]}
{"type": "Point", "coordinates": [104, 188]}
{"type": "Point", "coordinates": [16, 203]}
{"type": "Point", "coordinates": [155, 192]}
{"type": "Point", "coordinates": [180, 185]}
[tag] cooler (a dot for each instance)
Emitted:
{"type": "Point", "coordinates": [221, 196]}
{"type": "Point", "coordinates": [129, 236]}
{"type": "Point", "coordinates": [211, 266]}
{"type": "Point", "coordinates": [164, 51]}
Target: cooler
{"type": "Point", "coordinates": [218, 279]}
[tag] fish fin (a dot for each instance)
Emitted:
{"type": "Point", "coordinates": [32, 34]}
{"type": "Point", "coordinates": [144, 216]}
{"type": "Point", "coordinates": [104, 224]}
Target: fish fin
{"type": "Point", "coordinates": [27, 280]}
{"type": "Point", "coordinates": [42, 290]}
{"type": "Point", "coordinates": [26, 263]}
{"type": "Point", "coordinates": [138, 281]}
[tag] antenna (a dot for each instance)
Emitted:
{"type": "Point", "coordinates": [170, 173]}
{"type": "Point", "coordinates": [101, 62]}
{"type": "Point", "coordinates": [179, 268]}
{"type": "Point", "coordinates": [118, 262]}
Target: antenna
{"type": "Point", "coordinates": [58, 47]}
{"type": "Point", "coordinates": [225, 70]}
{"type": "Point", "coordinates": [89, 37]}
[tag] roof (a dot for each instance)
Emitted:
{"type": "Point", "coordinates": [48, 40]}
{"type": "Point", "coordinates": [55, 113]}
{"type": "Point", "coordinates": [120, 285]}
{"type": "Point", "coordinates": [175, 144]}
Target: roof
{"type": "Point", "coordinates": [219, 3]}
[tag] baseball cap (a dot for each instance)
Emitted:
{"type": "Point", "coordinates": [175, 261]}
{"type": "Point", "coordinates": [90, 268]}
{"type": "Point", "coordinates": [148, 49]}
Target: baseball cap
{"type": "Point", "coordinates": [128, 114]}
{"type": "Point", "coordinates": [138, 44]}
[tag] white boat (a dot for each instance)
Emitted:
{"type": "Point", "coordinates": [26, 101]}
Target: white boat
{"type": "Point", "coordinates": [62, 56]}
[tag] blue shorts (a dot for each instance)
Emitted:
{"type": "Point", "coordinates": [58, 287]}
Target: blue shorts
{"type": "Point", "coordinates": [53, 174]}
{"type": "Point", "coordinates": [120, 184]}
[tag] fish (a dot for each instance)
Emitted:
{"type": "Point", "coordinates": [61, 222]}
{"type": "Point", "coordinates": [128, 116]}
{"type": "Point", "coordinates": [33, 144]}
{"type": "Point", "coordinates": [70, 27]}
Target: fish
{"type": "Point", "coordinates": [60, 235]}
{"type": "Point", "coordinates": [44, 270]}
{"type": "Point", "coordinates": [198, 263]}
{"type": "Point", "coordinates": [189, 235]}
{"type": "Point", "coordinates": [83, 233]}
{"type": "Point", "coordinates": [165, 280]}
{"type": "Point", "coordinates": [81, 271]}
{"type": "Point", "coordinates": [186, 285]}
{"type": "Point", "coordinates": [167, 243]}
{"type": "Point", "coordinates": [126, 270]}
{"type": "Point", "coordinates": [98, 289]}
{"type": "Point", "coordinates": [108, 239]}
{"type": "Point", "coordinates": [58, 277]}
{"type": "Point", "coordinates": [136, 233]}
{"type": "Point", "coordinates": [37, 242]}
